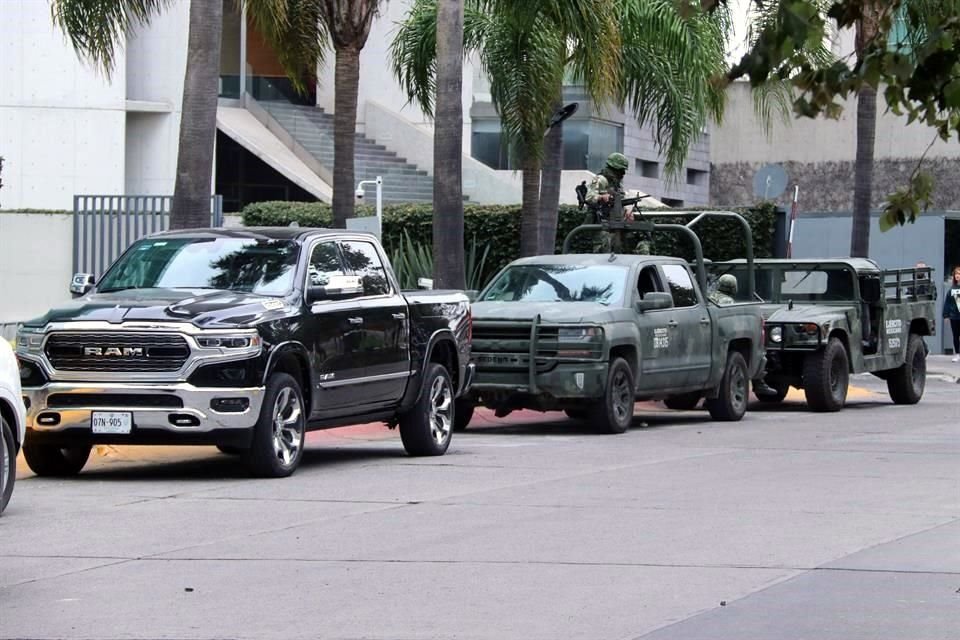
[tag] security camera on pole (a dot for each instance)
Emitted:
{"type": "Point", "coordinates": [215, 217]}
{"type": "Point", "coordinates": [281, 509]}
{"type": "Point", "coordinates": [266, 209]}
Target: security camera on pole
{"type": "Point", "coordinates": [358, 223]}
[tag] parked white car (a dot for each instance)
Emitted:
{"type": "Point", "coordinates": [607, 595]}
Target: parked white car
{"type": "Point", "coordinates": [13, 421]}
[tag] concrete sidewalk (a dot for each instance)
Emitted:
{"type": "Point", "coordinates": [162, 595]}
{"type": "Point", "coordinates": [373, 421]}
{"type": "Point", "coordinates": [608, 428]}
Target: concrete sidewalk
{"type": "Point", "coordinates": [942, 367]}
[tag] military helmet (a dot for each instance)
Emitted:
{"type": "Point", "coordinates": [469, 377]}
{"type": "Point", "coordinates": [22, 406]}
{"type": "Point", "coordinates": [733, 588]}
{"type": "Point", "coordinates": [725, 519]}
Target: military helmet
{"type": "Point", "coordinates": [727, 284]}
{"type": "Point", "coordinates": [618, 162]}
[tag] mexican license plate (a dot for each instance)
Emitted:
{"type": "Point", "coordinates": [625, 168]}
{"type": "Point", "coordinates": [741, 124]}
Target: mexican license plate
{"type": "Point", "coordinates": [111, 421]}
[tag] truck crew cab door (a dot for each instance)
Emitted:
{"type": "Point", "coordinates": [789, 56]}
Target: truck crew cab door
{"type": "Point", "coordinates": [385, 347]}
{"type": "Point", "coordinates": [690, 327]}
{"type": "Point", "coordinates": [653, 325]}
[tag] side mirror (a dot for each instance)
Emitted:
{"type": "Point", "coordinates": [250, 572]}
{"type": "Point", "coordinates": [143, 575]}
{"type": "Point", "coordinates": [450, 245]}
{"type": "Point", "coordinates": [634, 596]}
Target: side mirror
{"type": "Point", "coordinates": [654, 300]}
{"type": "Point", "coordinates": [81, 284]}
{"type": "Point", "coordinates": [338, 288]}
{"type": "Point", "coordinates": [870, 290]}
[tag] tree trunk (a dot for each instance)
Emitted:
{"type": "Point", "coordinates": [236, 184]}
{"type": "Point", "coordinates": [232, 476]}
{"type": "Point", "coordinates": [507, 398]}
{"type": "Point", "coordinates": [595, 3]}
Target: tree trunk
{"type": "Point", "coordinates": [198, 118]}
{"type": "Point", "coordinates": [550, 187]}
{"type": "Point", "coordinates": [530, 208]}
{"type": "Point", "coordinates": [867, 28]}
{"type": "Point", "coordinates": [347, 85]}
{"type": "Point", "coordinates": [448, 244]}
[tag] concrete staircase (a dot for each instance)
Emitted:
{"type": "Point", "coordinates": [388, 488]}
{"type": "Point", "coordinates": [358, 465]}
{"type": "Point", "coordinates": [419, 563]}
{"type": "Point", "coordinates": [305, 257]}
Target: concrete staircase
{"type": "Point", "coordinates": [313, 129]}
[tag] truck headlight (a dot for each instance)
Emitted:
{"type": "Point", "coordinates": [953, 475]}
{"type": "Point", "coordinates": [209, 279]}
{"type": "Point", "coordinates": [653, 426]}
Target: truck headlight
{"type": "Point", "coordinates": [577, 333]}
{"type": "Point", "coordinates": [29, 341]}
{"type": "Point", "coordinates": [776, 335]}
{"type": "Point", "coordinates": [229, 342]}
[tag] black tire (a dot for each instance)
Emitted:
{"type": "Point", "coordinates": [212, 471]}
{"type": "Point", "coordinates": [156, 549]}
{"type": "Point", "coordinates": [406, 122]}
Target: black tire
{"type": "Point", "coordinates": [427, 428]}
{"type": "Point", "coordinates": [907, 382]}
{"type": "Point", "coordinates": [278, 436]}
{"type": "Point", "coordinates": [577, 414]}
{"type": "Point", "coordinates": [614, 413]}
{"type": "Point", "coordinates": [731, 403]}
{"type": "Point", "coordinates": [8, 464]}
{"type": "Point", "coordinates": [58, 462]}
{"type": "Point", "coordinates": [462, 414]}
{"type": "Point", "coordinates": [230, 450]}
{"type": "Point", "coordinates": [826, 376]}
{"type": "Point", "coordinates": [684, 401]}
{"type": "Point", "coordinates": [773, 398]}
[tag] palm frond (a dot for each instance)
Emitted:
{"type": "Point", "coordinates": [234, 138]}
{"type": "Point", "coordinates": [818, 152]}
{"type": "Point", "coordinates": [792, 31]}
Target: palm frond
{"type": "Point", "coordinates": [96, 28]}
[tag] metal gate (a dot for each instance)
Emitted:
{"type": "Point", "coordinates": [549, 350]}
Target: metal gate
{"type": "Point", "coordinates": [104, 226]}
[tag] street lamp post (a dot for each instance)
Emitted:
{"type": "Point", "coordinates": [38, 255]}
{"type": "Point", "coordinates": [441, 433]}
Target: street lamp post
{"type": "Point", "coordinates": [379, 184]}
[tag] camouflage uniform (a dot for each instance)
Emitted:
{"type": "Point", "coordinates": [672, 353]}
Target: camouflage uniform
{"type": "Point", "coordinates": [726, 290]}
{"type": "Point", "coordinates": [608, 182]}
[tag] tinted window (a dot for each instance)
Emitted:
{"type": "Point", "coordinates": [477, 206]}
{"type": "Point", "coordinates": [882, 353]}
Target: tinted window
{"type": "Point", "coordinates": [681, 286]}
{"type": "Point", "coordinates": [361, 259]}
{"type": "Point", "coordinates": [324, 262]}
{"type": "Point", "coordinates": [649, 281]}
{"type": "Point", "coordinates": [234, 264]}
{"type": "Point", "coordinates": [559, 283]}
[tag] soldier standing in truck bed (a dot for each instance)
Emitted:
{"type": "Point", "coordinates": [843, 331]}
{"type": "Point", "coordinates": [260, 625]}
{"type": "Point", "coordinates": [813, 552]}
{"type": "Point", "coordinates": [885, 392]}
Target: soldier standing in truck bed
{"type": "Point", "coordinates": [604, 186]}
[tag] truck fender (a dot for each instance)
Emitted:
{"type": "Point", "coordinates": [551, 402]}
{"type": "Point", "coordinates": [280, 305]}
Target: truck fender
{"type": "Point", "coordinates": [281, 349]}
{"type": "Point", "coordinates": [416, 387]}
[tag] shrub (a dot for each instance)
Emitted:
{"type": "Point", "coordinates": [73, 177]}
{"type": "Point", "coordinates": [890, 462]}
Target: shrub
{"type": "Point", "coordinates": [499, 226]}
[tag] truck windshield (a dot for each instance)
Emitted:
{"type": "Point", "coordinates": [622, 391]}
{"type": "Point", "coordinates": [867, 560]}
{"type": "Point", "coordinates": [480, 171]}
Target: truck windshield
{"type": "Point", "coordinates": [559, 283]}
{"type": "Point", "coordinates": [237, 264]}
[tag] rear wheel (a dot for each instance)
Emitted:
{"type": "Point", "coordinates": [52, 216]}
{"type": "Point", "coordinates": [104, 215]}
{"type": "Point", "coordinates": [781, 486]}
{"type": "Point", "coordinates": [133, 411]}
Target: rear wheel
{"type": "Point", "coordinates": [8, 464]}
{"type": "Point", "coordinates": [56, 461]}
{"type": "Point", "coordinates": [684, 401]}
{"type": "Point", "coordinates": [780, 392]}
{"type": "Point", "coordinates": [731, 403]}
{"type": "Point", "coordinates": [462, 414]}
{"type": "Point", "coordinates": [615, 412]}
{"type": "Point", "coordinates": [907, 382]}
{"type": "Point", "coordinates": [278, 436]}
{"type": "Point", "coordinates": [826, 375]}
{"type": "Point", "coordinates": [426, 429]}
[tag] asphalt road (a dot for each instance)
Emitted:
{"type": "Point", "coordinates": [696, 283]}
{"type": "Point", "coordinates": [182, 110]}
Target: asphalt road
{"type": "Point", "coordinates": [786, 525]}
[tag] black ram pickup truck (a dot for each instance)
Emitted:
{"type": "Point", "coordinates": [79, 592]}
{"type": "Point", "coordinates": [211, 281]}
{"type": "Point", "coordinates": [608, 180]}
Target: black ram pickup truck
{"type": "Point", "coordinates": [244, 339]}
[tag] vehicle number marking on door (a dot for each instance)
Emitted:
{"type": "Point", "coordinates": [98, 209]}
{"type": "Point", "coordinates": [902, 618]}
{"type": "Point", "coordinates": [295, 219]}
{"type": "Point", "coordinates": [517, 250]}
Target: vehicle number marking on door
{"type": "Point", "coordinates": [661, 338]}
{"type": "Point", "coordinates": [893, 343]}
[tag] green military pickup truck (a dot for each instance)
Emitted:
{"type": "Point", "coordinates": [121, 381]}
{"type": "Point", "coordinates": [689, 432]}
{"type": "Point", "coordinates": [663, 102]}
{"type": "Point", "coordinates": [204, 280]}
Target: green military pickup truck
{"type": "Point", "coordinates": [827, 318]}
{"type": "Point", "coordinates": [591, 333]}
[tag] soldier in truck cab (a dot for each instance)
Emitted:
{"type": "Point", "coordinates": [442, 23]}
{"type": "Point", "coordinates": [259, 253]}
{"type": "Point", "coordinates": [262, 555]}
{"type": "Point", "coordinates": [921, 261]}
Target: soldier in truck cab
{"type": "Point", "coordinates": [726, 290]}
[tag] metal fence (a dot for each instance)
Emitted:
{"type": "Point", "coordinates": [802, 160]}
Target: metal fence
{"type": "Point", "coordinates": [104, 226]}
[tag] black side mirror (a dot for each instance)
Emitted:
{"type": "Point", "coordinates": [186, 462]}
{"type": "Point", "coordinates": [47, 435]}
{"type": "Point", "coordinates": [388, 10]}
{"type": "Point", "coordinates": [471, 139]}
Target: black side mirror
{"type": "Point", "coordinates": [81, 283]}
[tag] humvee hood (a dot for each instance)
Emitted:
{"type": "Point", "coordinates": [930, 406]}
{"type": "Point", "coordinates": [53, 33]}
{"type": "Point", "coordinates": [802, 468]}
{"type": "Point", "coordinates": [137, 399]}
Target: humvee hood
{"type": "Point", "coordinates": [803, 313]}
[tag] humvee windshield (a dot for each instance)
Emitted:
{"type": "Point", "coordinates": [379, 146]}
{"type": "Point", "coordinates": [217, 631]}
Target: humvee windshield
{"type": "Point", "coordinates": [559, 283]}
{"type": "Point", "coordinates": [779, 283]}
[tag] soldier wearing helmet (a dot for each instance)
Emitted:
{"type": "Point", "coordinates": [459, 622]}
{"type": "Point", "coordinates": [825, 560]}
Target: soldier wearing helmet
{"type": "Point", "coordinates": [726, 290]}
{"type": "Point", "coordinates": [604, 186]}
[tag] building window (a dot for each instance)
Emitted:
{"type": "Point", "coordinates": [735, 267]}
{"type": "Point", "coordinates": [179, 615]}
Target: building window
{"type": "Point", "coordinates": [672, 202]}
{"type": "Point", "coordinates": [586, 144]}
{"type": "Point", "coordinates": [648, 168]}
{"type": "Point", "coordinates": [697, 177]}
{"type": "Point", "coordinates": [897, 36]}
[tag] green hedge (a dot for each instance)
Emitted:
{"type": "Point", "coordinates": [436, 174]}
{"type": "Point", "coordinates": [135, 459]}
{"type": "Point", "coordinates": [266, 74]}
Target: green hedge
{"type": "Point", "coordinates": [500, 226]}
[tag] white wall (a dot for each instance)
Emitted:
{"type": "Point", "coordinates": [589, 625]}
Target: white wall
{"type": "Point", "coordinates": [61, 120]}
{"type": "Point", "coordinates": [741, 138]}
{"type": "Point", "coordinates": [31, 284]}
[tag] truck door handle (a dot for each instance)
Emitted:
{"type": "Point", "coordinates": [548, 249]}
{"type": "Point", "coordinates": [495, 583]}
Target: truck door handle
{"type": "Point", "coordinates": [672, 324]}
{"type": "Point", "coordinates": [355, 321]}
{"type": "Point", "coordinates": [399, 316]}
{"type": "Point", "coordinates": [704, 320]}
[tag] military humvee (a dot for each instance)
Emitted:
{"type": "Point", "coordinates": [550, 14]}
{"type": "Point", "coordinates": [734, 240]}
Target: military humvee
{"type": "Point", "coordinates": [827, 318]}
{"type": "Point", "coordinates": [591, 333]}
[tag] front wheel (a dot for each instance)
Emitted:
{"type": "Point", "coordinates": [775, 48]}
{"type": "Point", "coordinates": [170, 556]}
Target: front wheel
{"type": "Point", "coordinates": [907, 382]}
{"type": "Point", "coordinates": [826, 376]}
{"type": "Point", "coordinates": [56, 461]}
{"type": "Point", "coordinates": [426, 429]}
{"type": "Point", "coordinates": [615, 411]}
{"type": "Point", "coordinates": [8, 464]}
{"type": "Point", "coordinates": [731, 403]}
{"type": "Point", "coordinates": [278, 436]}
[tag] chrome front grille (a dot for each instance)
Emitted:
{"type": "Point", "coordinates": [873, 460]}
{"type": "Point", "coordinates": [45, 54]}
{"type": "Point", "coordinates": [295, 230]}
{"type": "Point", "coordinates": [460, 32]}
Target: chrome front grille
{"type": "Point", "coordinates": [117, 352]}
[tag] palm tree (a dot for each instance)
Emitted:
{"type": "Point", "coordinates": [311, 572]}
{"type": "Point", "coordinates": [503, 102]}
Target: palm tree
{"type": "Point", "coordinates": [97, 27]}
{"type": "Point", "coordinates": [523, 48]}
{"type": "Point", "coordinates": [866, 32]}
{"type": "Point", "coordinates": [299, 30]}
{"type": "Point", "coordinates": [448, 246]}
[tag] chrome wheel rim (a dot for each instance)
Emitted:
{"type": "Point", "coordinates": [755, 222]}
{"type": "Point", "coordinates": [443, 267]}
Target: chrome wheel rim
{"type": "Point", "coordinates": [441, 410]}
{"type": "Point", "coordinates": [287, 426]}
{"type": "Point", "coordinates": [622, 397]}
